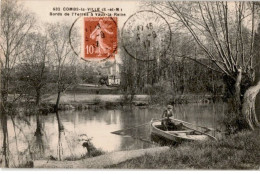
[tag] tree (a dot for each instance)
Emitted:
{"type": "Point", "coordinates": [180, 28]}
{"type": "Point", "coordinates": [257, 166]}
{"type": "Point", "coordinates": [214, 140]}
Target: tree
{"type": "Point", "coordinates": [169, 75]}
{"type": "Point", "coordinates": [64, 60]}
{"type": "Point", "coordinates": [230, 28]}
{"type": "Point", "coordinates": [15, 26]}
{"type": "Point", "coordinates": [34, 65]}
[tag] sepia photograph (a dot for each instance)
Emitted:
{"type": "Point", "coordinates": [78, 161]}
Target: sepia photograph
{"type": "Point", "coordinates": [109, 84]}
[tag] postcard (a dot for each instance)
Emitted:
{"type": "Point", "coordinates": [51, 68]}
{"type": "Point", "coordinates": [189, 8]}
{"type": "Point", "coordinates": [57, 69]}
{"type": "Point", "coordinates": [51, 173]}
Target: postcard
{"type": "Point", "coordinates": [136, 84]}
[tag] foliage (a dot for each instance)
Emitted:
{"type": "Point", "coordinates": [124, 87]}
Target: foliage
{"type": "Point", "coordinates": [161, 92]}
{"type": "Point", "coordinates": [91, 72]}
{"type": "Point", "coordinates": [233, 122]}
{"type": "Point", "coordinates": [127, 98]}
{"type": "Point", "coordinates": [13, 43]}
{"type": "Point", "coordinates": [33, 72]}
{"type": "Point", "coordinates": [224, 33]}
{"type": "Point", "coordinates": [64, 60]}
{"type": "Point", "coordinates": [96, 101]}
{"type": "Point", "coordinates": [92, 150]}
{"type": "Point", "coordinates": [180, 74]}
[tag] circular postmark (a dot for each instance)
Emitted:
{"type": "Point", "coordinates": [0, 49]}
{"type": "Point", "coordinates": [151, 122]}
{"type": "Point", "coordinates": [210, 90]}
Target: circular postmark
{"type": "Point", "coordinates": [97, 44]}
{"type": "Point", "coordinates": [146, 35]}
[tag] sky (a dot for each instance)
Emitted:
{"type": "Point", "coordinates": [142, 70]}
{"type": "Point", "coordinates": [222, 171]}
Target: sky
{"type": "Point", "coordinates": [42, 8]}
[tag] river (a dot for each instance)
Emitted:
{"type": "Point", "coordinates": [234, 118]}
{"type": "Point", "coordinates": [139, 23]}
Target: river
{"type": "Point", "coordinates": [77, 126]}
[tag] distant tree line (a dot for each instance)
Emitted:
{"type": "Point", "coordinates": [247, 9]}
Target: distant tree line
{"type": "Point", "coordinates": [172, 73]}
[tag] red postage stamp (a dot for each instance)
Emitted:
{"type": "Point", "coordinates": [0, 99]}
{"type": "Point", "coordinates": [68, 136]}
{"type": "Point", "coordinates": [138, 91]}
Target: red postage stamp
{"type": "Point", "coordinates": [100, 37]}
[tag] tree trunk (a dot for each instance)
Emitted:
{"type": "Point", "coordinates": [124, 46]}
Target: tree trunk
{"type": "Point", "coordinates": [257, 105]}
{"type": "Point", "coordinates": [234, 120]}
{"type": "Point", "coordinates": [4, 93]}
{"type": "Point", "coordinates": [3, 111]}
{"type": "Point", "coordinates": [60, 125]}
{"type": "Point", "coordinates": [38, 131]}
{"type": "Point", "coordinates": [248, 107]}
{"type": "Point", "coordinates": [238, 88]}
{"type": "Point", "coordinates": [38, 97]}
{"type": "Point", "coordinates": [57, 101]}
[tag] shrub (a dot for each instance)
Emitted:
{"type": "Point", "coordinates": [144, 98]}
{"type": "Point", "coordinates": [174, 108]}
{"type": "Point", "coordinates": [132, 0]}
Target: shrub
{"type": "Point", "coordinates": [233, 120]}
{"type": "Point", "coordinates": [127, 98]}
{"type": "Point", "coordinates": [161, 92]}
{"type": "Point", "coordinates": [96, 101]}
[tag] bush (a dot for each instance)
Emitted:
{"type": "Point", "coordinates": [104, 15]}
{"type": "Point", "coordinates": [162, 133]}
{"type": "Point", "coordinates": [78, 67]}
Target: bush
{"type": "Point", "coordinates": [96, 101]}
{"type": "Point", "coordinates": [233, 120]}
{"type": "Point", "coordinates": [96, 152]}
{"type": "Point", "coordinates": [92, 150]}
{"type": "Point", "coordinates": [161, 92]}
{"type": "Point", "coordinates": [127, 98]}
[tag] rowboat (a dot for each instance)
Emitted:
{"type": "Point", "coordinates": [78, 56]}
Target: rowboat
{"type": "Point", "coordinates": [183, 132]}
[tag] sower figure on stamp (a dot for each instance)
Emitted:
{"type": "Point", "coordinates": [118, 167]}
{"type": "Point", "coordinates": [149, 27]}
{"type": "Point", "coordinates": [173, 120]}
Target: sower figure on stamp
{"type": "Point", "coordinates": [99, 34]}
{"type": "Point", "coordinates": [166, 121]}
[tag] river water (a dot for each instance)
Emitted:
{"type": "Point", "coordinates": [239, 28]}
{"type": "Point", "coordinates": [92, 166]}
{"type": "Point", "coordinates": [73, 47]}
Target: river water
{"type": "Point", "coordinates": [77, 126]}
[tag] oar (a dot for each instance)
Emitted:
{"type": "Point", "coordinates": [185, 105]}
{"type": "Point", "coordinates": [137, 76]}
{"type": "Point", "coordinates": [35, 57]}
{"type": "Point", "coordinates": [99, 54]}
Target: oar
{"type": "Point", "coordinates": [121, 130]}
{"type": "Point", "coordinates": [192, 124]}
{"type": "Point", "coordinates": [117, 132]}
{"type": "Point", "coordinates": [201, 132]}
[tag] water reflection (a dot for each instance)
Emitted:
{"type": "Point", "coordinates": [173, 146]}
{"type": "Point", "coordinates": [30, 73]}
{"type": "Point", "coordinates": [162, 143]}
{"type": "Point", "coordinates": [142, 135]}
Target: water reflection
{"type": "Point", "coordinates": [58, 135]}
{"type": "Point", "coordinates": [61, 137]}
{"type": "Point", "coordinates": [5, 143]}
{"type": "Point", "coordinates": [39, 145]}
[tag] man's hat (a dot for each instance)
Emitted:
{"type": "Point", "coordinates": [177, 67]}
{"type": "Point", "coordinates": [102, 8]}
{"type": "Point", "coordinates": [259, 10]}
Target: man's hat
{"type": "Point", "coordinates": [169, 107]}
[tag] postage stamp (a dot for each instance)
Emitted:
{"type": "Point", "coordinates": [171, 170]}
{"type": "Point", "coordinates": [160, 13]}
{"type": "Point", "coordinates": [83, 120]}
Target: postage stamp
{"type": "Point", "coordinates": [100, 37]}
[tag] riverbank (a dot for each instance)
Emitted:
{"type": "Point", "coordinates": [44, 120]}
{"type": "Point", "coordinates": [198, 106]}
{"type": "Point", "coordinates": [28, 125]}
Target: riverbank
{"type": "Point", "coordinates": [83, 101]}
{"type": "Point", "coordinates": [240, 151]}
{"type": "Point", "coordinates": [100, 161]}
{"type": "Point", "coordinates": [75, 100]}
{"type": "Point", "coordinates": [92, 101]}
{"type": "Point", "coordinates": [68, 98]}
{"type": "Point", "coordinates": [80, 101]}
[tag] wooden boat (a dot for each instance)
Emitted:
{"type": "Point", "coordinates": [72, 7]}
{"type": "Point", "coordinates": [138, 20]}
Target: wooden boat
{"type": "Point", "coordinates": [183, 132]}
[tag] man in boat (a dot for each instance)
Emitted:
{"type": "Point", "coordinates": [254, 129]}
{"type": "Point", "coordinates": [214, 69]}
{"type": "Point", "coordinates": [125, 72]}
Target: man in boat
{"type": "Point", "coordinates": [166, 121]}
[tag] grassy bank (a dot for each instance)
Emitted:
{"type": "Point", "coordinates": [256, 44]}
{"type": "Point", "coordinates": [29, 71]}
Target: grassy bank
{"type": "Point", "coordinates": [240, 151]}
{"type": "Point", "coordinates": [81, 101]}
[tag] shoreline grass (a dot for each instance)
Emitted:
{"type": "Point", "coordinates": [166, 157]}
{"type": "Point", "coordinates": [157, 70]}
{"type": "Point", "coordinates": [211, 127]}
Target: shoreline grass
{"type": "Point", "coordinates": [239, 151]}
